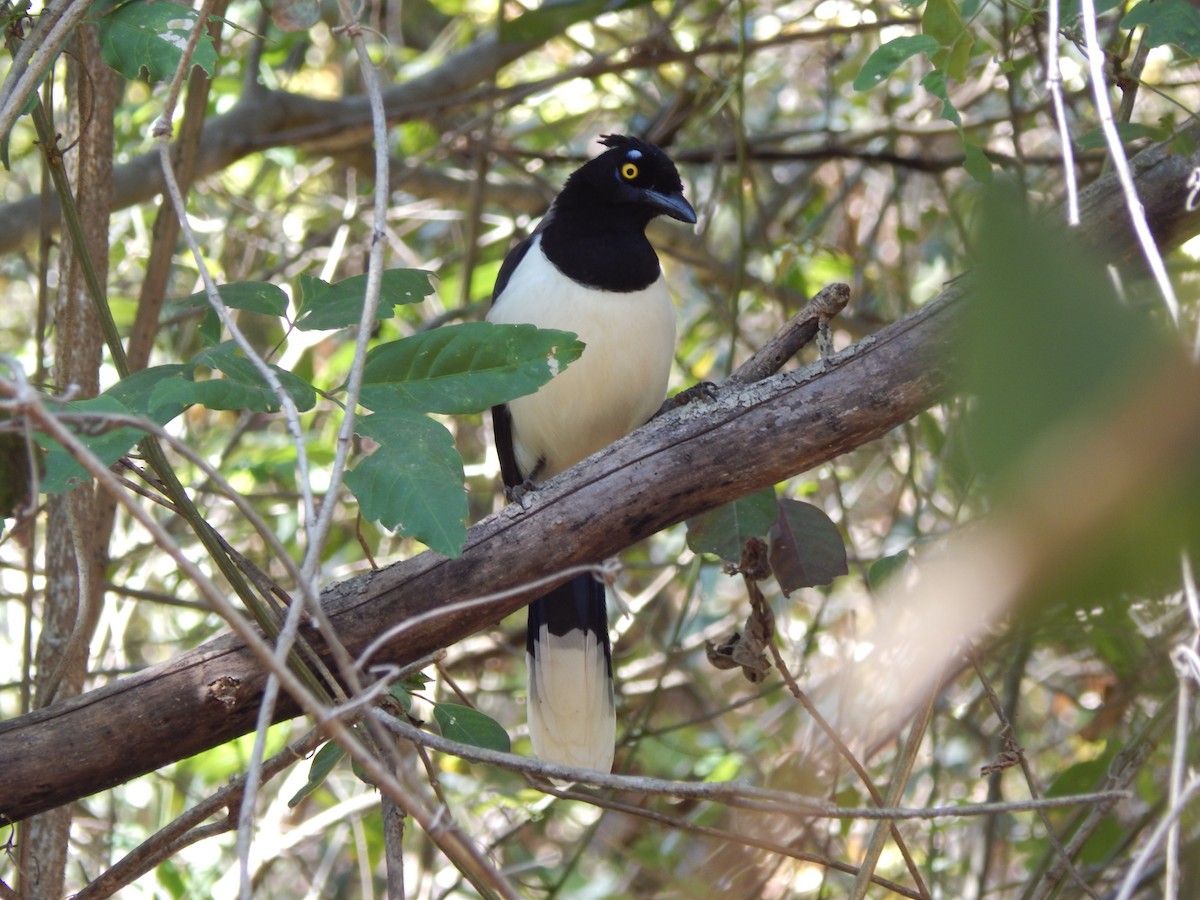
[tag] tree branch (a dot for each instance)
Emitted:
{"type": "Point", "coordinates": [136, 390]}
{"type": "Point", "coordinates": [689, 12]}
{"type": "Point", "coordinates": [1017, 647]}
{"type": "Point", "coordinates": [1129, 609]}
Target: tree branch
{"type": "Point", "coordinates": [270, 118]}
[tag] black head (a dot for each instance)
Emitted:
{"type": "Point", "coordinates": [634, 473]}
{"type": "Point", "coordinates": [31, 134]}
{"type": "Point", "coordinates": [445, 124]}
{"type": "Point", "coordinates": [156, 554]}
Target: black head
{"type": "Point", "coordinates": [595, 232]}
{"type": "Point", "coordinates": [633, 177]}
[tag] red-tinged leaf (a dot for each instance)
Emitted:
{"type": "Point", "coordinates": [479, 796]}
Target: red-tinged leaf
{"type": "Point", "coordinates": [806, 548]}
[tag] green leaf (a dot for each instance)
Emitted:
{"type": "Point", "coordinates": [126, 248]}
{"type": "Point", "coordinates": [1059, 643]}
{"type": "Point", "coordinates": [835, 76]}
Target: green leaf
{"type": "Point", "coordinates": [172, 879]}
{"type": "Point", "coordinates": [252, 296]}
{"type": "Point", "coordinates": [725, 530]}
{"type": "Point", "coordinates": [806, 548]}
{"type": "Point", "coordinates": [144, 36]}
{"type": "Point", "coordinates": [1167, 22]}
{"type": "Point", "coordinates": [134, 395]}
{"type": "Point", "coordinates": [977, 164]}
{"type": "Point", "coordinates": [1127, 131]}
{"type": "Point", "coordinates": [943, 22]}
{"type": "Point", "coordinates": [227, 359]}
{"type": "Point", "coordinates": [136, 391]}
{"type": "Point", "coordinates": [935, 83]}
{"type": "Point", "coordinates": [1086, 344]}
{"type": "Point", "coordinates": [1083, 777]}
{"type": "Point", "coordinates": [403, 690]}
{"type": "Point", "coordinates": [243, 386]}
{"type": "Point", "coordinates": [1049, 351]}
{"type": "Point", "coordinates": [62, 472]}
{"type": "Point", "coordinates": [322, 764]}
{"type": "Point", "coordinates": [413, 481]}
{"type": "Point", "coordinates": [553, 17]}
{"type": "Point", "coordinates": [886, 567]}
{"type": "Point", "coordinates": [459, 369]}
{"type": "Point", "coordinates": [210, 329]}
{"type": "Point", "coordinates": [889, 57]}
{"type": "Point", "coordinates": [214, 393]}
{"type": "Point", "coordinates": [1104, 841]}
{"type": "Point", "coordinates": [326, 307]}
{"type": "Point", "coordinates": [1182, 144]}
{"type": "Point", "coordinates": [470, 726]}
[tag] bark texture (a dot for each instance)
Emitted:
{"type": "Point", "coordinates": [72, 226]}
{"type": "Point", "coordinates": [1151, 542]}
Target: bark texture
{"type": "Point", "coordinates": [79, 523]}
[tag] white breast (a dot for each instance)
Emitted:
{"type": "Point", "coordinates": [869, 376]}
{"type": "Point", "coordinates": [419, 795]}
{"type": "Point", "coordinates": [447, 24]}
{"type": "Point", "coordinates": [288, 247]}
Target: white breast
{"type": "Point", "coordinates": [615, 386]}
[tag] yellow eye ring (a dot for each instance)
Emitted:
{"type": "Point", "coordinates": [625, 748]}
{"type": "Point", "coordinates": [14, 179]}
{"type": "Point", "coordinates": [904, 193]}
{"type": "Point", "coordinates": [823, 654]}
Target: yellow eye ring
{"type": "Point", "coordinates": [629, 171]}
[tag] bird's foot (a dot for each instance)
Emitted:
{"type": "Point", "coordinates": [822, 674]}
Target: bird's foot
{"type": "Point", "coordinates": [703, 390]}
{"type": "Point", "coordinates": [521, 493]}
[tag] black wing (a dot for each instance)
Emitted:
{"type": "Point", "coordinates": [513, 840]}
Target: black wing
{"type": "Point", "coordinates": [501, 419]}
{"type": "Point", "coordinates": [515, 255]}
{"type": "Point", "coordinates": [502, 426]}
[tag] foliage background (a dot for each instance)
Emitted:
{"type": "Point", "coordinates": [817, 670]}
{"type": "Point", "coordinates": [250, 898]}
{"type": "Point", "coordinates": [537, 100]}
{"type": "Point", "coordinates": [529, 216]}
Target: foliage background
{"type": "Point", "coordinates": [800, 179]}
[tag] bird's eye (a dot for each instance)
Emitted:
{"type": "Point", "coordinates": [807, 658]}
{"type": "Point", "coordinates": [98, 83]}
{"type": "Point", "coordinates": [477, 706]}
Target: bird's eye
{"type": "Point", "coordinates": [629, 171]}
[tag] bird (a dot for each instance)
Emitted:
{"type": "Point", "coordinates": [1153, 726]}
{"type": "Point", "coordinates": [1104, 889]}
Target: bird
{"type": "Point", "coordinates": [587, 268]}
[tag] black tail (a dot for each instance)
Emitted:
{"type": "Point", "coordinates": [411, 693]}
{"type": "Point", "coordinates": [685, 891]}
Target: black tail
{"type": "Point", "coordinates": [572, 718]}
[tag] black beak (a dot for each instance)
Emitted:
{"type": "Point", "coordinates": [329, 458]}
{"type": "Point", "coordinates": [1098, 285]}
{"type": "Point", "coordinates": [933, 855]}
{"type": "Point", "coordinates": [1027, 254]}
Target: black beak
{"type": "Point", "coordinates": [672, 205]}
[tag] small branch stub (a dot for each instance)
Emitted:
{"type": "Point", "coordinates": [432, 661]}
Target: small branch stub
{"type": "Point", "coordinates": [224, 690]}
{"type": "Point", "coordinates": [810, 322]}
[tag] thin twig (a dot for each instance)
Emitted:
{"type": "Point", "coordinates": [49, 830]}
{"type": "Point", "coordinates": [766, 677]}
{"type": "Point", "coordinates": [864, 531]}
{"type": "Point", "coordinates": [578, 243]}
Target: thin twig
{"type": "Point", "coordinates": [848, 755]}
{"type": "Point", "coordinates": [285, 640]}
{"type": "Point", "coordinates": [375, 262]}
{"type": "Point", "coordinates": [162, 133]}
{"type": "Point", "coordinates": [730, 793]}
{"type": "Point", "coordinates": [740, 836]}
{"type": "Point", "coordinates": [1184, 658]}
{"type": "Point", "coordinates": [186, 829]}
{"type": "Point", "coordinates": [1121, 773]}
{"type": "Point", "coordinates": [54, 24]}
{"type": "Point", "coordinates": [902, 771]}
{"type": "Point", "coordinates": [1137, 213]}
{"type": "Point", "coordinates": [1130, 884]}
{"type": "Point", "coordinates": [1054, 85]}
{"type": "Point", "coordinates": [1006, 728]}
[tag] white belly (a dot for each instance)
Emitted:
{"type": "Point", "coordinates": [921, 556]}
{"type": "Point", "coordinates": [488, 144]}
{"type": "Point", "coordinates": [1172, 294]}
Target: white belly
{"type": "Point", "coordinates": [615, 386]}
